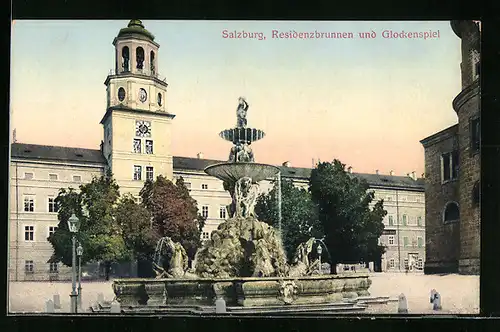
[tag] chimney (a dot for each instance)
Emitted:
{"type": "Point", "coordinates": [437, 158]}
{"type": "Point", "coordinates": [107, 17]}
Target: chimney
{"type": "Point", "coordinates": [414, 175]}
{"type": "Point", "coordinates": [349, 169]}
{"type": "Point", "coordinates": [376, 172]}
{"type": "Point", "coordinates": [199, 155]}
{"type": "Point", "coordinates": [391, 172]}
{"type": "Point", "coordinates": [287, 164]}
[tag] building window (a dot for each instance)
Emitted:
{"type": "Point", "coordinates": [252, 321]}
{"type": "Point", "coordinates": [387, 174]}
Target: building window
{"type": "Point", "coordinates": [188, 185]}
{"type": "Point", "coordinates": [451, 212]}
{"type": "Point", "coordinates": [204, 186]}
{"type": "Point", "coordinates": [405, 222]}
{"type": "Point", "coordinates": [205, 236]}
{"type": "Point", "coordinates": [52, 230]}
{"type": "Point", "coordinates": [137, 145]}
{"type": "Point", "coordinates": [149, 146]}
{"type": "Point", "coordinates": [420, 242]}
{"type": "Point", "coordinates": [419, 221]}
{"type": "Point", "coordinates": [125, 59]}
{"type": "Point", "coordinates": [53, 268]}
{"type": "Point", "coordinates": [392, 263]}
{"type": "Point", "coordinates": [28, 176]}
{"type": "Point", "coordinates": [391, 240]}
{"type": "Point", "coordinates": [475, 135]}
{"type": "Point", "coordinates": [29, 266]}
{"type": "Point", "coordinates": [476, 64]}
{"type": "Point", "coordinates": [449, 166]}
{"type": "Point", "coordinates": [53, 177]}
{"type": "Point", "coordinates": [406, 265]}
{"type": "Point", "coordinates": [420, 263]}
{"type": "Point", "coordinates": [139, 53]}
{"type": "Point", "coordinates": [52, 205]}
{"type": "Point", "coordinates": [137, 172]}
{"type": "Point", "coordinates": [405, 241]}
{"type": "Point", "coordinates": [29, 233]}
{"type": "Point", "coordinates": [476, 194]}
{"type": "Point", "coordinates": [204, 211]}
{"type": "Point", "coordinates": [149, 173]}
{"type": "Point", "coordinates": [222, 212]}
{"type": "Point", "coordinates": [77, 178]}
{"type": "Point", "coordinates": [29, 204]}
{"type": "Point", "coordinates": [391, 221]}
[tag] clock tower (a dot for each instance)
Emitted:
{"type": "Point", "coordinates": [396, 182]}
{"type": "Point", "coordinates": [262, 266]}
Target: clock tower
{"type": "Point", "coordinates": [136, 124]}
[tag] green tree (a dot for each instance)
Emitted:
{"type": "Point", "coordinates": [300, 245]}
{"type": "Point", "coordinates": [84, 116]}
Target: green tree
{"type": "Point", "coordinates": [136, 224]}
{"type": "Point", "coordinates": [99, 234]}
{"type": "Point", "coordinates": [299, 215]}
{"type": "Point", "coordinates": [174, 212]}
{"type": "Point", "coordinates": [352, 228]}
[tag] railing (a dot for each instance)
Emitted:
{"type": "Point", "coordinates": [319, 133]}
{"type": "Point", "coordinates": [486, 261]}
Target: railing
{"type": "Point", "coordinates": [145, 72]}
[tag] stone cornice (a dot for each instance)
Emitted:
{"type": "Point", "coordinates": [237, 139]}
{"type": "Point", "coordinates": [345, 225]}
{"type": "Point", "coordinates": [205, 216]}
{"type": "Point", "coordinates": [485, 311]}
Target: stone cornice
{"type": "Point", "coordinates": [466, 94]}
{"type": "Point", "coordinates": [134, 110]}
{"type": "Point", "coordinates": [440, 136]}
{"type": "Point", "coordinates": [133, 75]}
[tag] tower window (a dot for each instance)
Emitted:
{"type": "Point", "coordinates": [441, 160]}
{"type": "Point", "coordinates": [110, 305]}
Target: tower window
{"type": "Point", "coordinates": [475, 64]}
{"type": "Point", "coordinates": [476, 194]}
{"type": "Point", "coordinates": [149, 146]}
{"type": "Point", "coordinates": [159, 99]}
{"type": "Point", "coordinates": [125, 58]}
{"type": "Point", "coordinates": [121, 94]}
{"type": "Point", "coordinates": [152, 63]}
{"type": "Point", "coordinates": [475, 134]}
{"type": "Point", "coordinates": [451, 212]}
{"type": "Point", "coordinates": [149, 173]}
{"type": "Point", "coordinates": [139, 53]}
{"type": "Point", "coordinates": [449, 166]}
{"type": "Point", "coordinates": [137, 172]}
{"type": "Point", "coordinates": [137, 145]}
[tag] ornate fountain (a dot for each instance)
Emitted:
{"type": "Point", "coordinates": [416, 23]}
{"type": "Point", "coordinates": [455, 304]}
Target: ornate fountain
{"type": "Point", "coordinates": [244, 261]}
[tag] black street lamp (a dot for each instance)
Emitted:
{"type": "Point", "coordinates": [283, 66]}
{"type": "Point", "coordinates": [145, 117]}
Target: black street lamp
{"type": "Point", "coordinates": [74, 226]}
{"type": "Point", "coordinates": [79, 253]}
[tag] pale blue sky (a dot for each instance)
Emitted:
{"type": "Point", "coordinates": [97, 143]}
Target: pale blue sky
{"type": "Point", "coordinates": [366, 102]}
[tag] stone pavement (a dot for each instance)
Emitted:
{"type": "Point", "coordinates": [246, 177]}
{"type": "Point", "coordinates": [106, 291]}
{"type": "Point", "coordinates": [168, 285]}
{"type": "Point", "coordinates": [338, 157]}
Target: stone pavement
{"type": "Point", "coordinates": [460, 294]}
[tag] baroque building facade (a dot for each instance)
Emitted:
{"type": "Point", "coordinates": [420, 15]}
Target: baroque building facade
{"type": "Point", "coordinates": [452, 168]}
{"type": "Point", "coordinates": [136, 147]}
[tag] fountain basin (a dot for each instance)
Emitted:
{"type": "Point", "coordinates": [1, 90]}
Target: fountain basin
{"type": "Point", "coordinates": [232, 172]}
{"type": "Point", "coordinates": [242, 135]}
{"type": "Point", "coordinates": [242, 292]}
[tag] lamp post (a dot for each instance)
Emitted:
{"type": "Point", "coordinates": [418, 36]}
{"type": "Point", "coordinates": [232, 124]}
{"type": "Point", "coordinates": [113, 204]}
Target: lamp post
{"type": "Point", "coordinates": [319, 251]}
{"type": "Point", "coordinates": [79, 253]}
{"type": "Point", "coordinates": [74, 226]}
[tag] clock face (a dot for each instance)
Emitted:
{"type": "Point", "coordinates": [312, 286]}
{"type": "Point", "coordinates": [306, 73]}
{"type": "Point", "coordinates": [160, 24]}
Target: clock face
{"type": "Point", "coordinates": [143, 128]}
{"type": "Point", "coordinates": [143, 96]}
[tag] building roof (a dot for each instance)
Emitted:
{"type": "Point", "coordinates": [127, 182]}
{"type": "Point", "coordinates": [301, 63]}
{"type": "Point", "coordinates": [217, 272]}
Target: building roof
{"type": "Point", "coordinates": [56, 153]}
{"type": "Point", "coordinates": [59, 153]}
{"type": "Point", "coordinates": [440, 136]}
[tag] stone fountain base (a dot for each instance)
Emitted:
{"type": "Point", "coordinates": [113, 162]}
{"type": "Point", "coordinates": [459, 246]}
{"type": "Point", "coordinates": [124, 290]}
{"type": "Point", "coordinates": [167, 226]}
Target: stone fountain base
{"type": "Point", "coordinates": [242, 292]}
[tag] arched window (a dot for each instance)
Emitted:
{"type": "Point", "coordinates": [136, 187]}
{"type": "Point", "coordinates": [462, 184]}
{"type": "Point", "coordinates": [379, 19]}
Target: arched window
{"type": "Point", "coordinates": [451, 213]}
{"type": "Point", "coordinates": [125, 58]}
{"type": "Point", "coordinates": [152, 62]}
{"type": "Point", "coordinates": [159, 99]}
{"type": "Point", "coordinates": [139, 54]}
{"type": "Point", "coordinates": [121, 94]}
{"type": "Point", "coordinates": [476, 194]}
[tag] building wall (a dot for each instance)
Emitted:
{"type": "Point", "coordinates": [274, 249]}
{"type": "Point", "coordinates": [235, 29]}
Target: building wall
{"type": "Point", "coordinates": [123, 156]}
{"type": "Point", "coordinates": [443, 239]}
{"type": "Point", "coordinates": [402, 205]}
{"type": "Point", "coordinates": [467, 106]}
{"type": "Point", "coordinates": [40, 188]}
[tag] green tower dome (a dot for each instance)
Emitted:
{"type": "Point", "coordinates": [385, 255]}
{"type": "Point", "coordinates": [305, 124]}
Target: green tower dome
{"type": "Point", "coordinates": [136, 28]}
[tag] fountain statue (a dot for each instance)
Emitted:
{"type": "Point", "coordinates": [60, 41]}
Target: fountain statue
{"type": "Point", "coordinates": [244, 262]}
